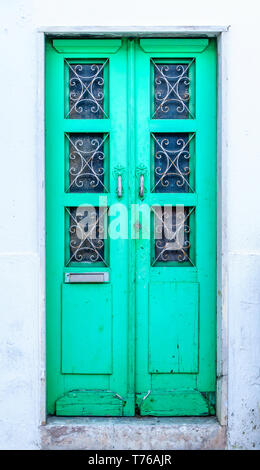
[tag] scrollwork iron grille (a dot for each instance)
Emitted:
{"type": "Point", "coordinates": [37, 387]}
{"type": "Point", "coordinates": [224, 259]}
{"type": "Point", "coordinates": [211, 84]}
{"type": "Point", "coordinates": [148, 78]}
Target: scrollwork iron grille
{"type": "Point", "coordinates": [86, 90]}
{"type": "Point", "coordinates": [172, 90]}
{"type": "Point", "coordinates": [172, 234]}
{"type": "Point", "coordinates": [171, 160]}
{"type": "Point", "coordinates": [87, 234]}
{"type": "Point", "coordinates": [86, 163]}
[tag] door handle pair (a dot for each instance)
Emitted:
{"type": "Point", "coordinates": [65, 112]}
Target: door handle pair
{"type": "Point", "coordinates": [119, 186]}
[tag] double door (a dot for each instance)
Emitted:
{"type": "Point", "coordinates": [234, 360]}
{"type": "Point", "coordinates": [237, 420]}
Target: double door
{"type": "Point", "coordinates": [131, 226]}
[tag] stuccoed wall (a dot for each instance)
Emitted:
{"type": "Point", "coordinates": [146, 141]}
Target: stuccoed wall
{"type": "Point", "coordinates": [21, 234]}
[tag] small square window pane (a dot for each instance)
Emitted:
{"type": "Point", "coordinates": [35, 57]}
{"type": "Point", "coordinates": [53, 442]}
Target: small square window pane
{"type": "Point", "coordinates": [172, 235]}
{"type": "Point", "coordinates": [172, 90]}
{"type": "Point", "coordinates": [173, 162]}
{"type": "Point", "coordinates": [87, 163]}
{"type": "Point", "coordinates": [86, 90]}
{"type": "Point", "coordinates": [86, 234]}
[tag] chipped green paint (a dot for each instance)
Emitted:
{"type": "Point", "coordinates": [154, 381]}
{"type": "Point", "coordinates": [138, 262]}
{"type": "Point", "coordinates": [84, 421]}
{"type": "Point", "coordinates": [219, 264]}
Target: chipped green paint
{"type": "Point", "coordinates": [180, 402]}
{"type": "Point", "coordinates": [90, 403]}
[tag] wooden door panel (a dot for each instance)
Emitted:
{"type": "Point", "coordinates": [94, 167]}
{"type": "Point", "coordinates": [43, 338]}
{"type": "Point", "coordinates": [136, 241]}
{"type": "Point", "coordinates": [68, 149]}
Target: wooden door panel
{"type": "Point", "coordinates": [87, 329]}
{"type": "Point", "coordinates": [86, 152]}
{"type": "Point", "coordinates": [175, 402]}
{"type": "Point", "coordinates": [176, 282]}
{"type": "Point", "coordinates": [90, 403]}
{"type": "Point", "coordinates": [173, 327]}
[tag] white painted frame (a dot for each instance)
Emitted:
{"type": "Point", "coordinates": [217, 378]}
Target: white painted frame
{"type": "Point", "coordinates": [218, 32]}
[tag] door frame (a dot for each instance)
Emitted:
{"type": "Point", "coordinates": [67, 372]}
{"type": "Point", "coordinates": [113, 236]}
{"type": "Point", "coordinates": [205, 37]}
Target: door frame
{"type": "Point", "coordinates": [222, 215]}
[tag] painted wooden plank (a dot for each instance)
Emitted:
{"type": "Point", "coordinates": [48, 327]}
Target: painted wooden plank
{"type": "Point", "coordinates": [90, 403]}
{"type": "Point", "coordinates": [174, 45]}
{"type": "Point", "coordinates": [174, 274]}
{"type": "Point", "coordinates": [92, 199]}
{"type": "Point", "coordinates": [174, 403]}
{"type": "Point", "coordinates": [87, 45]}
{"type": "Point", "coordinates": [185, 199]}
{"type": "Point", "coordinates": [203, 243]}
{"type": "Point", "coordinates": [173, 125]}
{"type": "Point", "coordinates": [54, 166]}
{"type": "Point", "coordinates": [176, 329]}
{"type": "Point", "coordinates": [101, 374]}
{"type": "Point", "coordinates": [86, 329]}
{"type": "Point", "coordinates": [206, 213]}
{"type": "Point", "coordinates": [86, 125]}
{"type": "Point", "coordinates": [129, 409]}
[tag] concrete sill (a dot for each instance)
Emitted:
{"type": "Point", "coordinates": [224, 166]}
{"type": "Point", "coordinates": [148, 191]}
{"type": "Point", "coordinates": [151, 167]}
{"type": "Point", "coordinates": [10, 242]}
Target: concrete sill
{"type": "Point", "coordinates": [146, 433]}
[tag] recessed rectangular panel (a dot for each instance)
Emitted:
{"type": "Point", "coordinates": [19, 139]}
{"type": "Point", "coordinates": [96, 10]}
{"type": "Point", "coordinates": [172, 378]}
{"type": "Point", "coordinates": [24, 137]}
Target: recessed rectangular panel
{"type": "Point", "coordinates": [173, 327]}
{"type": "Point", "coordinates": [86, 329]}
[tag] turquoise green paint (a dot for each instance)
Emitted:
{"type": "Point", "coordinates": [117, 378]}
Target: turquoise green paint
{"type": "Point", "coordinates": [87, 316]}
{"type": "Point", "coordinates": [203, 236]}
{"type": "Point", "coordinates": [98, 403]}
{"type": "Point", "coordinates": [70, 308]}
{"type": "Point", "coordinates": [173, 46]}
{"type": "Point", "coordinates": [182, 402]}
{"type": "Point", "coordinates": [151, 329]}
{"type": "Point", "coordinates": [179, 302]}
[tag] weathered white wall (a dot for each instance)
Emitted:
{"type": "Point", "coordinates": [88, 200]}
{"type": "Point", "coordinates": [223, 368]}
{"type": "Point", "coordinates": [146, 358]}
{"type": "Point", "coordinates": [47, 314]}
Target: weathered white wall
{"type": "Point", "coordinates": [21, 189]}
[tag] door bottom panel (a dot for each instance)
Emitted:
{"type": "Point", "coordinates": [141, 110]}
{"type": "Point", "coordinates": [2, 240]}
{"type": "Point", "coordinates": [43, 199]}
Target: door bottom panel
{"type": "Point", "coordinates": [90, 403]}
{"type": "Point", "coordinates": [175, 403]}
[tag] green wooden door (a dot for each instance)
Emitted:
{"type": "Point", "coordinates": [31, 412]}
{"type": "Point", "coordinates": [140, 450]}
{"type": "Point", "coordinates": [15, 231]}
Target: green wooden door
{"type": "Point", "coordinates": [176, 269]}
{"type": "Point", "coordinates": [130, 152]}
{"type": "Point", "coordinates": [86, 145]}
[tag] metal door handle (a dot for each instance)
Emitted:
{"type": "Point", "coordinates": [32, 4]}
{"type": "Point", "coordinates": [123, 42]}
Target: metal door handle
{"type": "Point", "coordinates": [119, 186]}
{"type": "Point", "coordinates": [141, 190]}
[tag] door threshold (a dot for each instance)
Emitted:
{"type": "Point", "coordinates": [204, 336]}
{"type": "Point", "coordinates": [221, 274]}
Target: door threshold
{"type": "Point", "coordinates": [133, 433]}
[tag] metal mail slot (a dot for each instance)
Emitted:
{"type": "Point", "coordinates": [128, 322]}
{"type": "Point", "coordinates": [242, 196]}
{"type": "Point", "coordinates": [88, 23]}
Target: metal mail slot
{"type": "Point", "coordinates": [87, 277]}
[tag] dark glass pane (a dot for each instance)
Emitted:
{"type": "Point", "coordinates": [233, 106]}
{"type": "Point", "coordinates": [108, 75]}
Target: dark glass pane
{"type": "Point", "coordinates": [172, 234]}
{"type": "Point", "coordinates": [86, 163]}
{"type": "Point", "coordinates": [171, 91]}
{"type": "Point", "coordinates": [86, 91]}
{"type": "Point", "coordinates": [171, 163]}
{"type": "Point", "coordinates": [86, 234]}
